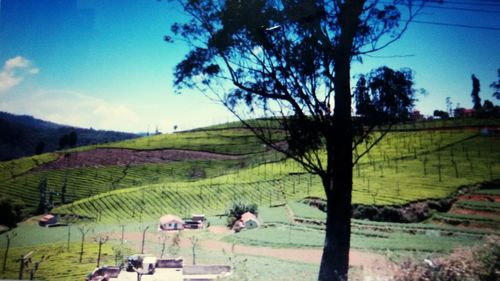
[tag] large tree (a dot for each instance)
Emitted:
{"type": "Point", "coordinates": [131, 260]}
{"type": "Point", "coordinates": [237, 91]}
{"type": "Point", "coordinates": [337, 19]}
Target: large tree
{"type": "Point", "coordinates": [290, 61]}
{"type": "Point", "coordinates": [476, 87]}
{"type": "Point", "coordinates": [496, 86]}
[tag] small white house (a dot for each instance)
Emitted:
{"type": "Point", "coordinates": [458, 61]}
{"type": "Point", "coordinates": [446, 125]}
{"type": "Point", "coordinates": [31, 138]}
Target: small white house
{"type": "Point", "coordinates": [171, 222]}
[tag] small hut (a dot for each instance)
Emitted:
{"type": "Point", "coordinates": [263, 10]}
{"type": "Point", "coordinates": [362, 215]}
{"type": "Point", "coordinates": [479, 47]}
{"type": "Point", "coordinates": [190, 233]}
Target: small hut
{"type": "Point", "coordinates": [250, 220]}
{"type": "Point", "coordinates": [171, 222]}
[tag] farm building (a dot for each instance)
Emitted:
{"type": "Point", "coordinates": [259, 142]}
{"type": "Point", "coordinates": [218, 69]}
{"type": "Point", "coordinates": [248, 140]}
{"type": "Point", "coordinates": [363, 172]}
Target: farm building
{"type": "Point", "coordinates": [249, 220]}
{"type": "Point", "coordinates": [198, 217]}
{"type": "Point", "coordinates": [195, 222]}
{"type": "Point", "coordinates": [171, 222]}
{"type": "Point", "coordinates": [47, 220]}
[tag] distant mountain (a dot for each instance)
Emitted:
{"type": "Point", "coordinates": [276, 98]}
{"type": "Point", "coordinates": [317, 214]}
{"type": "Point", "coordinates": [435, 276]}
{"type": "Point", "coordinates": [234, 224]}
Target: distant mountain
{"type": "Point", "coordinates": [23, 135]}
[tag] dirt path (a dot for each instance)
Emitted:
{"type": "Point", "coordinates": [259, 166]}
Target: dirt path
{"type": "Point", "coordinates": [371, 263]}
{"type": "Point", "coordinates": [290, 214]}
{"type": "Point", "coordinates": [307, 255]}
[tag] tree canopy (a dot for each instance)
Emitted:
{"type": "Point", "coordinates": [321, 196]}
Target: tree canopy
{"type": "Point", "coordinates": [496, 86]}
{"type": "Point", "coordinates": [476, 100]}
{"type": "Point", "coordinates": [290, 61]}
{"type": "Point", "coordinates": [281, 61]}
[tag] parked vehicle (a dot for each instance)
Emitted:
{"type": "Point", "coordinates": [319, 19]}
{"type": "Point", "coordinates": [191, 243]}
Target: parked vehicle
{"type": "Point", "coordinates": [134, 261]}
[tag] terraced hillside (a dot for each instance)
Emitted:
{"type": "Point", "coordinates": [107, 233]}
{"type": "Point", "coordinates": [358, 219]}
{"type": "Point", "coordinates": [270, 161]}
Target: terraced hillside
{"type": "Point", "coordinates": [201, 171]}
{"type": "Point", "coordinates": [480, 209]}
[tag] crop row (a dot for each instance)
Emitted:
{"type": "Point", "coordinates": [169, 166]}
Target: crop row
{"type": "Point", "coordinates": [15, 168]}
{"type": "Point", "coordinates": [89, 181]}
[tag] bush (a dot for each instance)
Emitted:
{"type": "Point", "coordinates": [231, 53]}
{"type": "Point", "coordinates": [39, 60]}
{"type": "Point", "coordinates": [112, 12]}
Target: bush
{"type": "Point", "coordinates": [389, 214]}
{"type": "Point", "coordinates": [365, 212]}
{"type": "Point", "coordinates": [479, 263]}
{"type": "Point", "coordinates": [12, 211]}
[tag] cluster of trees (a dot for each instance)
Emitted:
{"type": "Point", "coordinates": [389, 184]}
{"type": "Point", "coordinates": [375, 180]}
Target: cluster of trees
{"type": "Point", "coordinates": [47, 197]}
{"type": "Point", "coordinates": [12, 211]}
{"type": "Point", "coordinates": [25, 136]}
{"type": "Point", "coordinates": [68, 140]}
{"type": "Point", "coordinates": [485, 109]}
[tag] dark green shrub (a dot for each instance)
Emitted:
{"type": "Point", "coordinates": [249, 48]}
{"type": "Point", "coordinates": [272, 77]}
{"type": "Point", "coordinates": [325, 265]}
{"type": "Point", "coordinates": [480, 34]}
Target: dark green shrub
{"type": "Point", "coordinates": [11, 210]}
{"type": "Point", "coordinates": [389, 214]}
{"type": "Point", "coordinates": [365, 212]}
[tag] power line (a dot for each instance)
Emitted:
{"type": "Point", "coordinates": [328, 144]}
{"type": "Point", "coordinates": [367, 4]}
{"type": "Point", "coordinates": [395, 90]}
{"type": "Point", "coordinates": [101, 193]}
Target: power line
{"type": "Point", "coordinates": [464, 9]}
{"type": "Point", "coordinates": [388, 57]}
{"type": "Point", "coordinates": [454, 8]}
{"type": "Point", "coordinates": [472, 3]}
{"type": "Point", "coordinates": [458, 25]}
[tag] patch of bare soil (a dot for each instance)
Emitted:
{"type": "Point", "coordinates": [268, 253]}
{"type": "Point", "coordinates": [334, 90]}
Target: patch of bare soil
{"type": "Point", "coordinates": [218, 229]}
{"type": "Point", "coordinates": [480, 197]}
{"type": "Point", "coordinates": [115, 156]}
{"type": "Point", "coordinates": [463, 211]}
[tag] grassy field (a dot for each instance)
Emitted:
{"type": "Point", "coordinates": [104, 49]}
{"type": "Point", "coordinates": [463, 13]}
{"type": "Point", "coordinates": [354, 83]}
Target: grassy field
{"type": "Point", "coordinates": [58, 263]}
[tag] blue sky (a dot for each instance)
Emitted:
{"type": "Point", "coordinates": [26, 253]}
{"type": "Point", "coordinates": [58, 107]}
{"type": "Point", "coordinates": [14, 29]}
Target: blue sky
{"type": "Point", "coordinates": [104, 64]}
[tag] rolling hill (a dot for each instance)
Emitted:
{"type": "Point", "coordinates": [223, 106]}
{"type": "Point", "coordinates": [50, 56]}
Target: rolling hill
{"type": "Point", "coordinates": [22, 135]}
{"type": "Point", "coordinates": [194, 170]}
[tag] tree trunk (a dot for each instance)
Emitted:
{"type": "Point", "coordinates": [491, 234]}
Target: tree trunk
{"type": "Point", "coordinates": [337, 181]}
{"type": "Point", "coordinates": [335, 258]}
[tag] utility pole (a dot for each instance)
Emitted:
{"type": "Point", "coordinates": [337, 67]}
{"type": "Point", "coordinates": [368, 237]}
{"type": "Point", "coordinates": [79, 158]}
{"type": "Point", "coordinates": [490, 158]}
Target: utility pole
{"type": "Point", "coordinates": [9, 236]}
{"type": "Point", "coordinates": [143, 238]}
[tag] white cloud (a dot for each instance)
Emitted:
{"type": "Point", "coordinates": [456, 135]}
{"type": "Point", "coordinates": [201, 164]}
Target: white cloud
{"type": "Point", "coordinates": [16, 62]}
{"type": "Point", "coordinates": [77, 109]}
{"type": "Point", "coordinates": [13, 72]}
